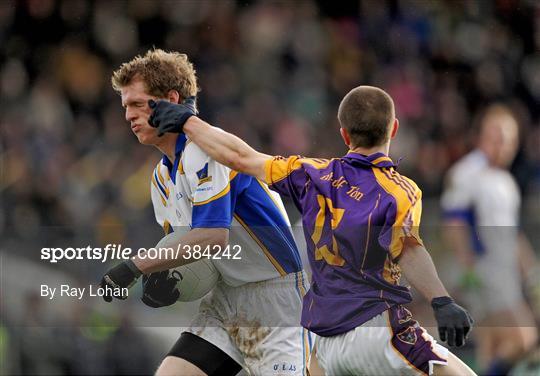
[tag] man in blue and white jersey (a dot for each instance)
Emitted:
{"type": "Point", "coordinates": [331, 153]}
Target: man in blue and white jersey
{"type": "Point", "coordinates": [481, 206]}
{"type": "Point", "coordinates": [251, 319]}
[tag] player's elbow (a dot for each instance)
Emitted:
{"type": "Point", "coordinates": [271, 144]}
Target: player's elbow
{"type": "Point", "coordinates": [251, 163]}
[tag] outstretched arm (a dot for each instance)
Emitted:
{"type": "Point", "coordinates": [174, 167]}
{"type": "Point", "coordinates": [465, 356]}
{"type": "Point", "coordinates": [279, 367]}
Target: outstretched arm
{"type": "Point", "coordinates": [226, 148]}
{"type": "Point", "coordinates": [221, 146]}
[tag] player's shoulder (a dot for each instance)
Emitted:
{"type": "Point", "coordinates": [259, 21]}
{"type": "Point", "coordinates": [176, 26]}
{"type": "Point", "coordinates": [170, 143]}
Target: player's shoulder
{"type": "Point", "coordinates": [408, 183]}
{"type": "Point", "coordinates": [397, 184]}
{"type": "Point", "coordinates": [468, 167]}
{"type": "Point", "coordinates": [296, 162]}
{"type": "Point", "coordinates": [193, 158]}
{"type": "Point", "coordinates": [317, 163]}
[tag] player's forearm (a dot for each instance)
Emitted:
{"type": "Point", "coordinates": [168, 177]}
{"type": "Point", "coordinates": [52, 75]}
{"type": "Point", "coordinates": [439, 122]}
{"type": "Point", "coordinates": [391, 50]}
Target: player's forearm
{"type": "Point", "coordinates": [225, 148]}
{"type": "Point", "coordinates": [417, 266]}
{"type": "Point", "coordinates": [203, 237]}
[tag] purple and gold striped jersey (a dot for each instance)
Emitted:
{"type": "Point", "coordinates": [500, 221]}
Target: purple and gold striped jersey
{"type": "Point", "coordinates": [356, 212]}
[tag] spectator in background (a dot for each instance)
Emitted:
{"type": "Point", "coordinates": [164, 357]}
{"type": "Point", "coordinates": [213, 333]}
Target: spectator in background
{"type": "Point", "coordinates": [481, 203]}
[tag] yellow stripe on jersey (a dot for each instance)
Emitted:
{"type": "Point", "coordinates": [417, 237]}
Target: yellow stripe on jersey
{"type": "Point", "coordinates": [219, 195]}
{"type": "Point", "coordinates": [408, 211]}
{"type": "Point", "coordinates": [278, 168]}
{"type": "Point", "coordinates": [162, 180]}
{"type": "Point", "coordinates": [166, 227]}
{"type": "Point", "coordinates": [271, 258]}
{"type": "Point", "coordinates": [180, 168]}
{"type": "Point", "coordinates": [381, 159]}
{"type": "Point", "coordinates": [223, 192]}
{"type": "Point", "coordinates": [163, 201]}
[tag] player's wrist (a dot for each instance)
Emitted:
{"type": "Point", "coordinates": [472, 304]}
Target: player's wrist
{"type": "Point", "coordinates": [441, 301]}
{"type": "Point", "coordinates": [194, 126]}
{"type": "Point", "coordinates": [133, 268]}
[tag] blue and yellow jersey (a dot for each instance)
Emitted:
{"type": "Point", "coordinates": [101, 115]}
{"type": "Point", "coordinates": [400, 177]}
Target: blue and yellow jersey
{"type": "Point", "coordinates": [356, 212]}
{"type": "Point", "coordinates": [197, 192]}
{"type": "Point", "coordinates": [488, 200]}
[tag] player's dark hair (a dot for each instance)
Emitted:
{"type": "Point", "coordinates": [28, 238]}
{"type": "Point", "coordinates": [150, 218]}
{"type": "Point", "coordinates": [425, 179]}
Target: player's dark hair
{"type": "Point", "coordinates": [160, 71]}
{"type": "Point", "coordinates": [366, 114]}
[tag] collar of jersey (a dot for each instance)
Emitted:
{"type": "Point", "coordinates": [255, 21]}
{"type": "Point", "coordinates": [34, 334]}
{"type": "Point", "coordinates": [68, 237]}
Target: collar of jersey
{"type": "Point", "coordinates": [375, 159]}
{"type": "Point", "coordinates": [178, 149]}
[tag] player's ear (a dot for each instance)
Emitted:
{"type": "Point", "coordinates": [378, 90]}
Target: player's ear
{"type": "Point", "coordinates": [395, 128]}
{"type": "Point", "coordinates": [345, 136]}
{"type": "Point", "coordinates": [173, 96]}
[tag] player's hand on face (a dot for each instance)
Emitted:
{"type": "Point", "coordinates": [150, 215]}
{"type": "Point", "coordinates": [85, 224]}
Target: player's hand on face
{"type": "Point", "coordinates": [171, 117]}
{"type": "Point", "coordinates": [159, 290]}
{"type": "Point", "coordinates": [123, 275]}
{"type": "Point", "coordinates": [453, 321]}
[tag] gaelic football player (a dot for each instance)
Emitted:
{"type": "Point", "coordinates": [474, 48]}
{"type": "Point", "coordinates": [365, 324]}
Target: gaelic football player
{"type": "Point", "coordinates": [361, 219]}
{"type": "Point", "coordinates": [252, 318]}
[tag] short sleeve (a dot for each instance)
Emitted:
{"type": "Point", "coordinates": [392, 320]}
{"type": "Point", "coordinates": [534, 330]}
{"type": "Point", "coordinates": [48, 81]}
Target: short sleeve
{"type": "Point", "coordinates": [211, 187]}
{"type": "Point", "coordinates": [402, 205]}
{"type": "Point", "coordinates": [286, 175]}
{"type": "Point", "coordinates": [405, 223]}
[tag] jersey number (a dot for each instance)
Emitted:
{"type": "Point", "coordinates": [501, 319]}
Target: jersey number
{"type": "Point", "coordinates": [330, 255]}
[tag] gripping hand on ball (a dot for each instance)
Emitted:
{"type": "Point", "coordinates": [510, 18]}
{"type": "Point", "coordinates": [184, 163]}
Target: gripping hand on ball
{"type": "Point", "coordinates": [123, 275]}
{"type": "Point", "coordinates": [159, 289]}
{"type": "Point", "coordinates": [453, 321]}
{"type": "Point", "coordinates": [171, 117]}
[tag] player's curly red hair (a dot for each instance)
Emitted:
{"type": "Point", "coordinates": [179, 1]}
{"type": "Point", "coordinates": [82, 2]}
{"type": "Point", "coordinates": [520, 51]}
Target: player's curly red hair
{"type": "Point", "coordinates": [160, 71]}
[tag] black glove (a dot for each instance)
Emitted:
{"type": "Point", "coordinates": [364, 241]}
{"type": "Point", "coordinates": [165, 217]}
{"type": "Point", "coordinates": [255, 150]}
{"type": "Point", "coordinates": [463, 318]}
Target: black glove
{"type": "Point", "coordinates": [171, 117]}
{"type": "Point", "coordinates": [453, 321]}
{"type": "Point", "coordinates": [159, 290]}
{"type": "Point", "coordinates": [122, 275]}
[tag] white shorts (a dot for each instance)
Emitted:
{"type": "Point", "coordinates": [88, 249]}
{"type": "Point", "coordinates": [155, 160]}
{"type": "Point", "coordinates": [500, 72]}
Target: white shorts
{"type": "Point", "coordinates": [258, 324]}
{"type": "Point", "coordinates": [389, 344]}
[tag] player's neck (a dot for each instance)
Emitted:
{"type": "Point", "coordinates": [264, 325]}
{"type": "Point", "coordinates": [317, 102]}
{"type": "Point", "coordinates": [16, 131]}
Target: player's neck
{"type": "Point", "coordinates": [167, 145]}
{"type": "Point", "coordinates": [368, 151]}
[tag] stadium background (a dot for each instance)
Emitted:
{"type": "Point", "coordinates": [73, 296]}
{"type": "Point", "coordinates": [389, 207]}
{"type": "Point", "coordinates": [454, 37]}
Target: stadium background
{"type": "Point", "coordinates": [271, 72]}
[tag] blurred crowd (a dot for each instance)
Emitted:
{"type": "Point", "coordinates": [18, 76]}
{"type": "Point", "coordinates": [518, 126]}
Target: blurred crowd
{"type": "Point", "coordinates": [86, 343]}
{"type": "Point", "coordinates": [272, 72]}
